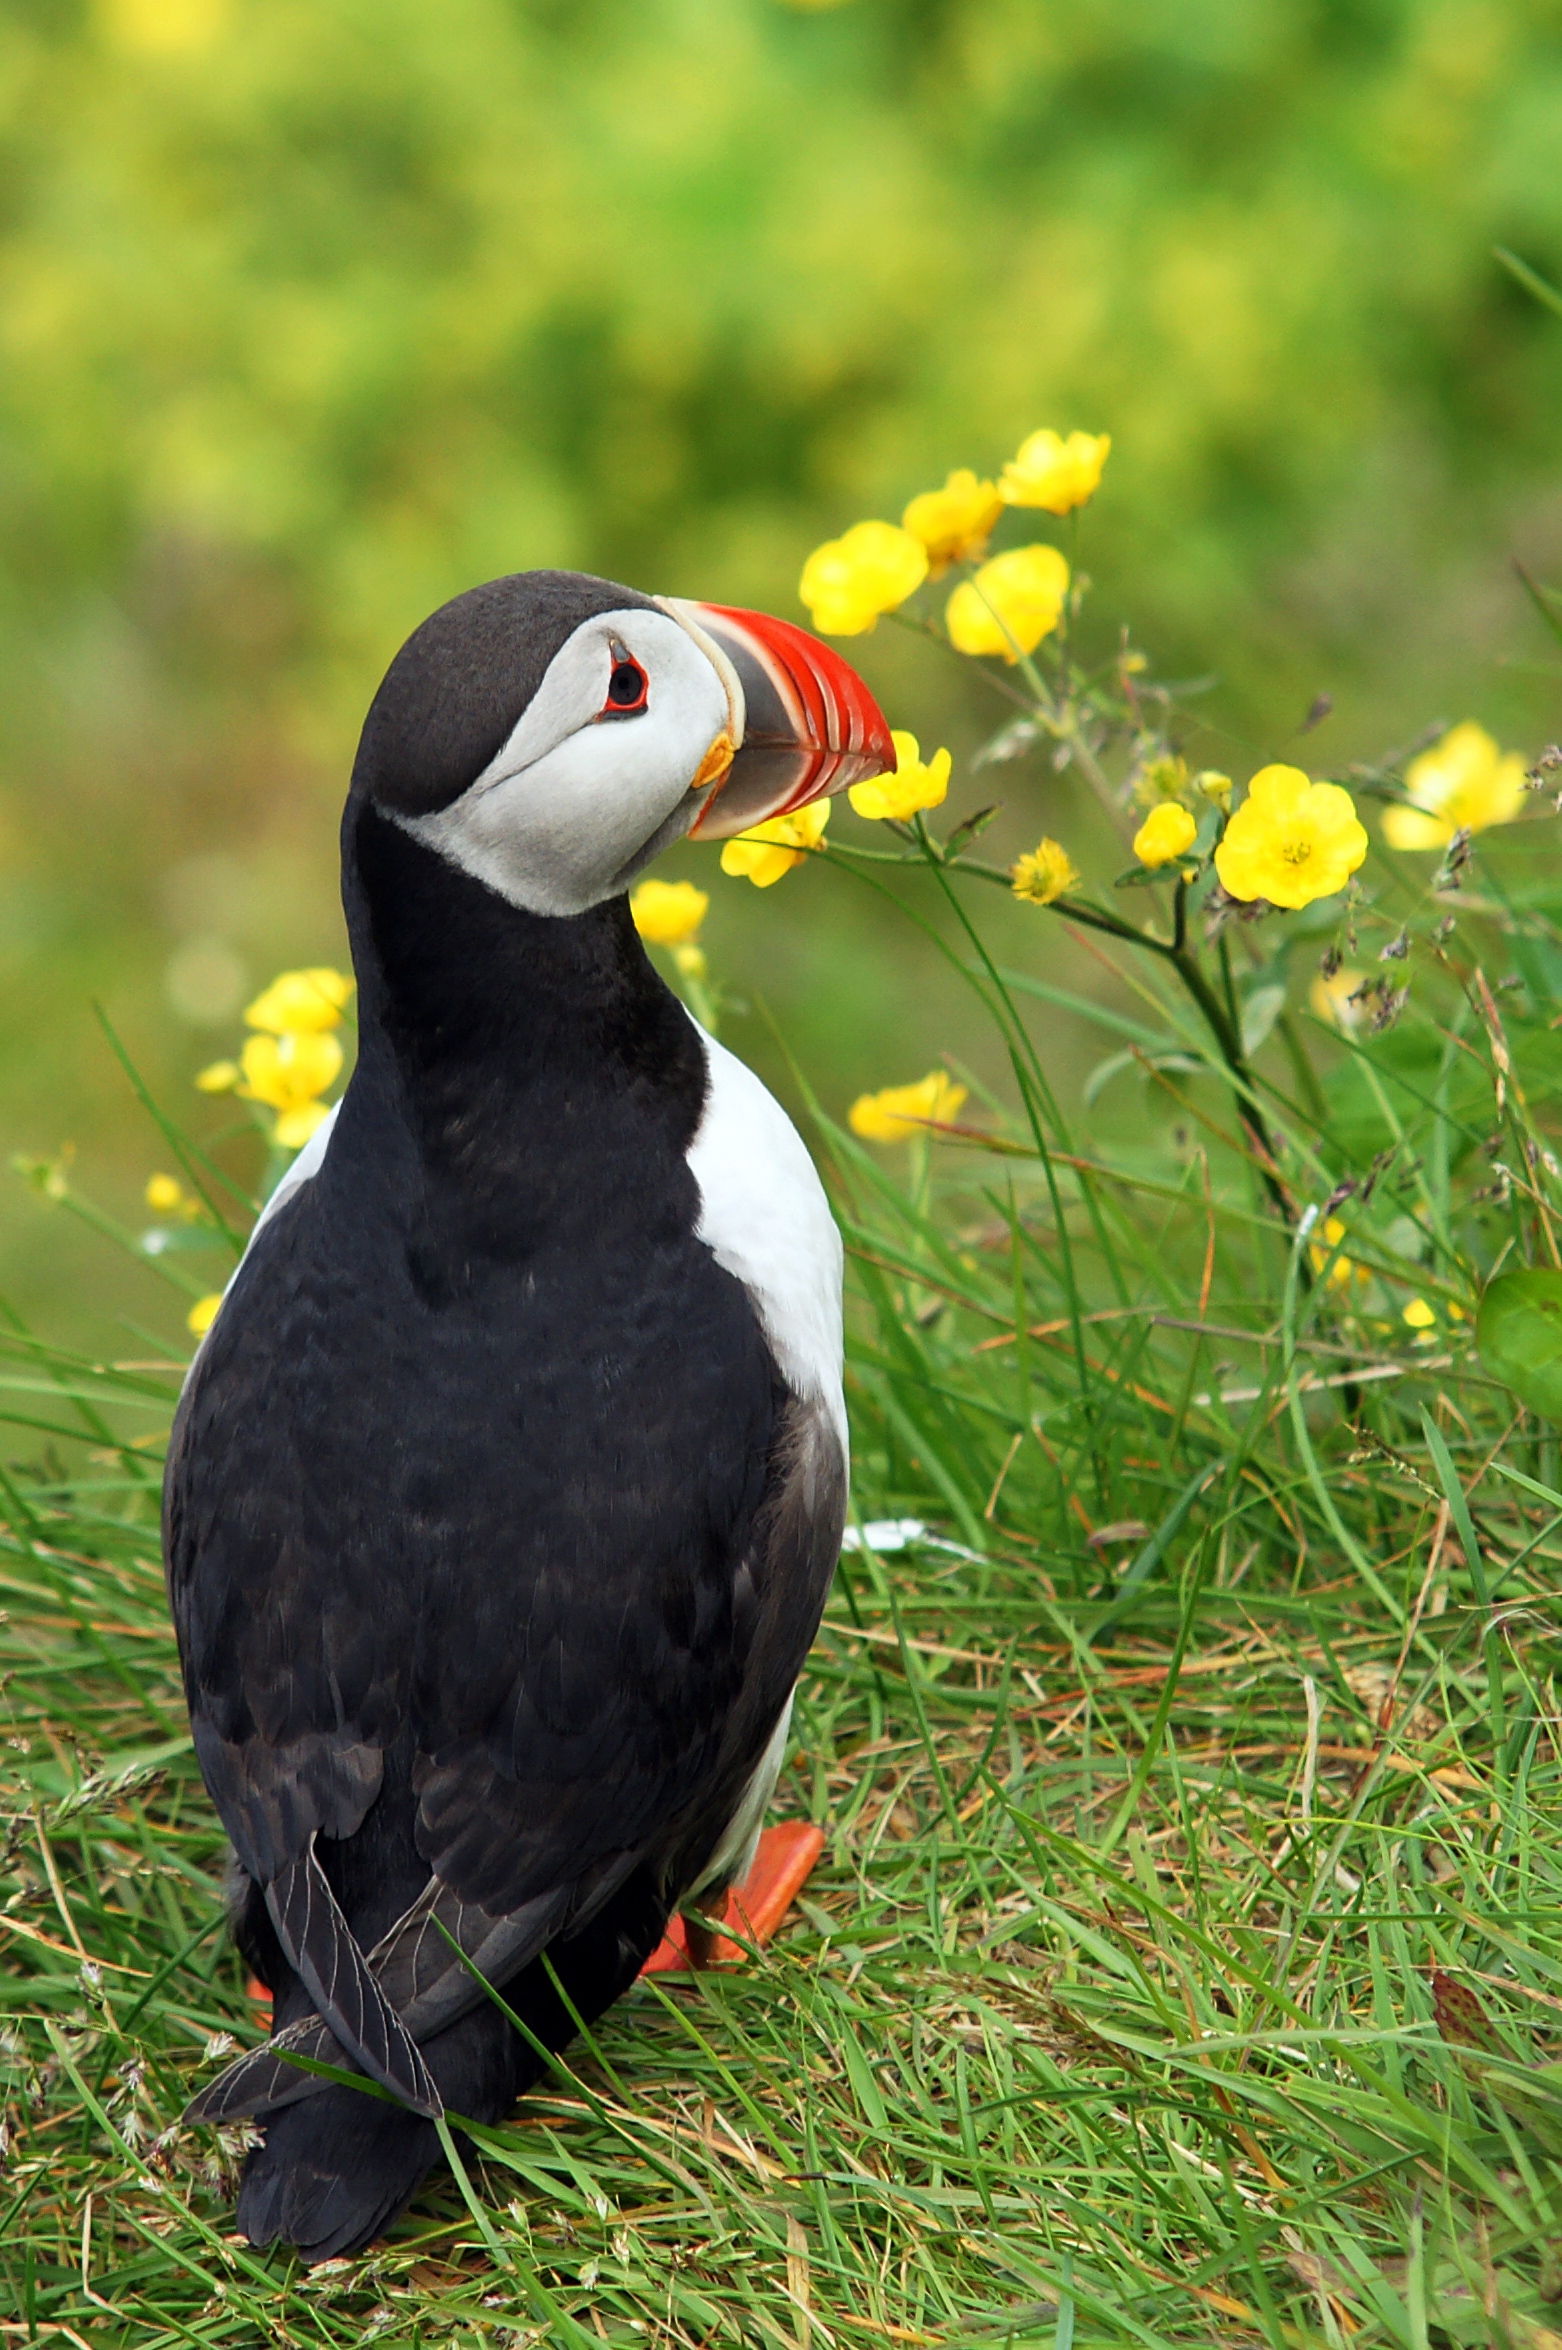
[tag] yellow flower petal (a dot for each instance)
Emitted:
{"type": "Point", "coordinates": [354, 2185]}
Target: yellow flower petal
{"type": "Point", "coordinates": [221, 1077]}
{"type": "Point", "coordinates": [912, 786]}
{"type": "Point", "coordinates": [1344, 1270]}
{"type": "Point", "coordinates": [849, 581]}
{"type": "Point", "coordinates": [1291, 841]}
{"type": "Point", "coordinates": [301, 1000]}
{"type": "Point", "coordinates": [1463, 780]}
{"type": "Point", "coordinates": [1418, 1314]}
{"type": "Point", "coordinates": [1331, 998]}
{"type": "Point", "coordinates": [956, 521]}
{"type": "Point", "coordinates": [164, 1195]}
{"type": "Point", "coordinates": [1045, 873]}
{"type": "Point", "coordinates": [765, 855]}
{"type": "Point", "coordinates": [668, 913]}
{"type": "Point", "coordinates": [285, 1072]}
{"type": "Point", "coordinates": [904, 1110]}
{"type": "Point", "coordinates": [1054, 473]}
{"type": "Point", "coordinates": [1167, 832]}
{"type": "Point", "coordinates": [203, 1314]}
{"type": "Point", "coordinates": [294, 1127]}
{"type": "Point", "coordinates": [1011, 604]}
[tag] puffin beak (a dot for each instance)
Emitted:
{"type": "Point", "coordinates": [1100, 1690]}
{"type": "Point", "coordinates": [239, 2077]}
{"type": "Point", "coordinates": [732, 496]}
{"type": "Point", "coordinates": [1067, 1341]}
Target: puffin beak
{"type": "Point", "coordinates": [805, 724]}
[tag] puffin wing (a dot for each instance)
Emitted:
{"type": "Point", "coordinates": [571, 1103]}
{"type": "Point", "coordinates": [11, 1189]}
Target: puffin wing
{"type": "Point", "coordinates": [594, 1665]}
{"type": "Point", "coordinates": [439, 1958]}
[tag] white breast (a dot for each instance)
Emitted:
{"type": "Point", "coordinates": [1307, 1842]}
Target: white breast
{"type": "Point", "coordinates": [764, 1216]}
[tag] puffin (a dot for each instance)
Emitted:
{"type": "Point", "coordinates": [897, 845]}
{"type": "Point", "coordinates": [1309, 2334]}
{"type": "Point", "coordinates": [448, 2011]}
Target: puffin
{"type": "Point", "coordinates": [506, 1488]}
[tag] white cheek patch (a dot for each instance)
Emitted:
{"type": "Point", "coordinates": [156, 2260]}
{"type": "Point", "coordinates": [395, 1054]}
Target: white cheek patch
{"type": "Point", "coordinates": [569, 802]}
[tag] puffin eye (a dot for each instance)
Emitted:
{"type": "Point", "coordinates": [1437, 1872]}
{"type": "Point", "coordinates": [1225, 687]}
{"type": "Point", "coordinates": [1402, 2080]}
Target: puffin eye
{"type": "Point", "coordinates": [628, 688]}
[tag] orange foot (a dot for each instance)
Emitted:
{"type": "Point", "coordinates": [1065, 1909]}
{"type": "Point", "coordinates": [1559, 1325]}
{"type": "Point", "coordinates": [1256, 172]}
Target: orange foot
{"type": "Point", "coordinates": [781, 1869]}
{"type": "Point", "coordinates": [755, 1908]}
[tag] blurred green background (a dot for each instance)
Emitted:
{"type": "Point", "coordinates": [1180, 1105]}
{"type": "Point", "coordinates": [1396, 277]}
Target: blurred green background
{"type": "Point", "coordinates": [315, 312]}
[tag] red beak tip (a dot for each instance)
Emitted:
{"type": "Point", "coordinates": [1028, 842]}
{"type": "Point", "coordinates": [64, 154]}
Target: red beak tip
{"type": "Point", "coordinates": [834, 716]}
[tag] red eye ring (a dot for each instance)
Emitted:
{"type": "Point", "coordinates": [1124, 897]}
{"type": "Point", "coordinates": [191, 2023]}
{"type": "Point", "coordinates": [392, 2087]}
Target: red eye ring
{"type": "Point", "coordinates": [628, 687]}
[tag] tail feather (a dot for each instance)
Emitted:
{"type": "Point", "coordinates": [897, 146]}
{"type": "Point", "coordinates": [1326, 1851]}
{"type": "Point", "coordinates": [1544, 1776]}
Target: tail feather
{"type": "Point", "coordinates": [337, 2169]}
{"type": "Point", "coordinates": [321, 1948]}
{"type": "Point", "coordinates": [417, 1974]}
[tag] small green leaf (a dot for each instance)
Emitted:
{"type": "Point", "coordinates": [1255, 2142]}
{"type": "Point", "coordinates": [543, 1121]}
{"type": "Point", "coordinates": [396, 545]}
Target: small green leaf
{"type": "Point", "coordinates": [1261, 1009]}
{"type": "Point", "coordinates": [1519, 1334]}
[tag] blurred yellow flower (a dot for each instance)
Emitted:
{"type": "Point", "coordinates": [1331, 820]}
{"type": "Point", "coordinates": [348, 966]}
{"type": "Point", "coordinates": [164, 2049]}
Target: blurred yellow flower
{"type": "Point", "coordinates": [956, 521]}
{"type": "Point", "coordinates": [910, 787]}
{"type": "Point", "coordinates": [1214, 786]}
{"type": "Point", "coordinates": [849, 581]}
{"type": "Point", "coordinates": [163, 26]}
{"type": "Point", "coordinates": [1167, 832]}
{"type": "Point", "coordinates": [1291, 841]}
{"type": "Point", "coordinates": [1331, 998]}
{"type": "Point", "coordinates": [308, 1000]}
{"type": "Point", "coordinates": [772, 849]}
{"type": "Point", "coordinates": [1043, 873]}
{"type": "Point", "coordinates": [164, 1196]}
{"type": "Point", "coordinates": [286, 1073]}
{"type": "Point", "coordinates": [1161, 779]}
{"type": "Point", "coordinates": [1463, 780]}
{"type": "Point", "coordinates": [1344, 1269]}
{"type": "Point", "coordinates": [668, 913]}
{"type": "Point", "coordinates": [904, 1110]}
{"type": "Point", "coordinates": [1419, 1315]}
{"type": "Point", "coordinates": [689, 961]}
{"type": "Point", "coordinates": [1054, 473]}
{"type": "Point", "coordinates": [203, 1314]}
{"type": "Point", "coordinates": [220, 1077]}
{"type": "Point", "coordinates": [1011, 604]}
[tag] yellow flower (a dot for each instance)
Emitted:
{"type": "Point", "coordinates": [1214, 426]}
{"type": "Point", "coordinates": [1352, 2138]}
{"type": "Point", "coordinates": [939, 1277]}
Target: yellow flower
{"type": "Point", "coordinates": [1055, 473]}
{"type": "Point", "coordinates": [164, 1195]}
{"type": "Point", "coordinates": [1291, 841]}
{"type": "Point", "coordinates": [849, 581]}
{"type": "Point", "coordinates": [1161, 779]}
{"type": "Point", "coordinates": [163, 27]}
{"type": "Point", "coordinates": [1167, 832]}
{"type": "Point", "coordinates": [1344, 1269]}
{"type": "Point", "coordinates": [911, 786]}
{"type": "Point", "coordinates": [1214, 786]}
{"type": "Point", "coordinates": [301, 1000]}
{"type": "Point", "coordinates": [905, 1110]}
{"type": "Point", "coordinates": [203, 1314]}
{"type": "Point", "coordinates": [772, 849]}
{"type": "Point", "coordinates": [1011, 604]}
{"type": "Point", "coordinates": [221, 1077]}
{"type": "Point", "coordinates": [294, 1127]}
{"type": "Point", "coordinates": [1331, 998]}
{"type": "Point", "coordinates": [1419, 1315]}
{"type": "Point", "coordinates": [286, 1073]}
{"type": "Point", "coordinates": [1043, 873]}
{"type": "Point", "coordinates": [668, 913]}
{"type": "Point", "coordinates": [1463, 780]}
{"type": "Point", "coordinates": [956, 521]}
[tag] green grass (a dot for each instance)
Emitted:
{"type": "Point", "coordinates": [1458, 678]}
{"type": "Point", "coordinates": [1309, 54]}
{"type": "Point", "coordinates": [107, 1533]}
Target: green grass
{"type": "Point", "coordinates": [1185, 1962]}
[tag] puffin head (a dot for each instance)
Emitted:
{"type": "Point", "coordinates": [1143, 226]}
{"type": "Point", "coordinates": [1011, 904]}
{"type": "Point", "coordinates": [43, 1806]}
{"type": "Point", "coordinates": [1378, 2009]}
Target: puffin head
{"type": "Point", "coordinates": [550, 733]}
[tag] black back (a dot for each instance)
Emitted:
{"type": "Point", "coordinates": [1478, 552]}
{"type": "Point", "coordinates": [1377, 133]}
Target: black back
{"type": "Point", "coordinates": [474, 1452]}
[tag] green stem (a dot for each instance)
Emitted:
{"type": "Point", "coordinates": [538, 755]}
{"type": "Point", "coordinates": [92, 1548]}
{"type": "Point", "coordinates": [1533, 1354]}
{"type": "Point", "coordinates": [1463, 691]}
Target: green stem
{"type": "Point", "coordinates": [1223, 1023]}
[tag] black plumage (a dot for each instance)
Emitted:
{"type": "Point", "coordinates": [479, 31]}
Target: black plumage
{"type": "Point", "coordinates": [495, 1536]}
